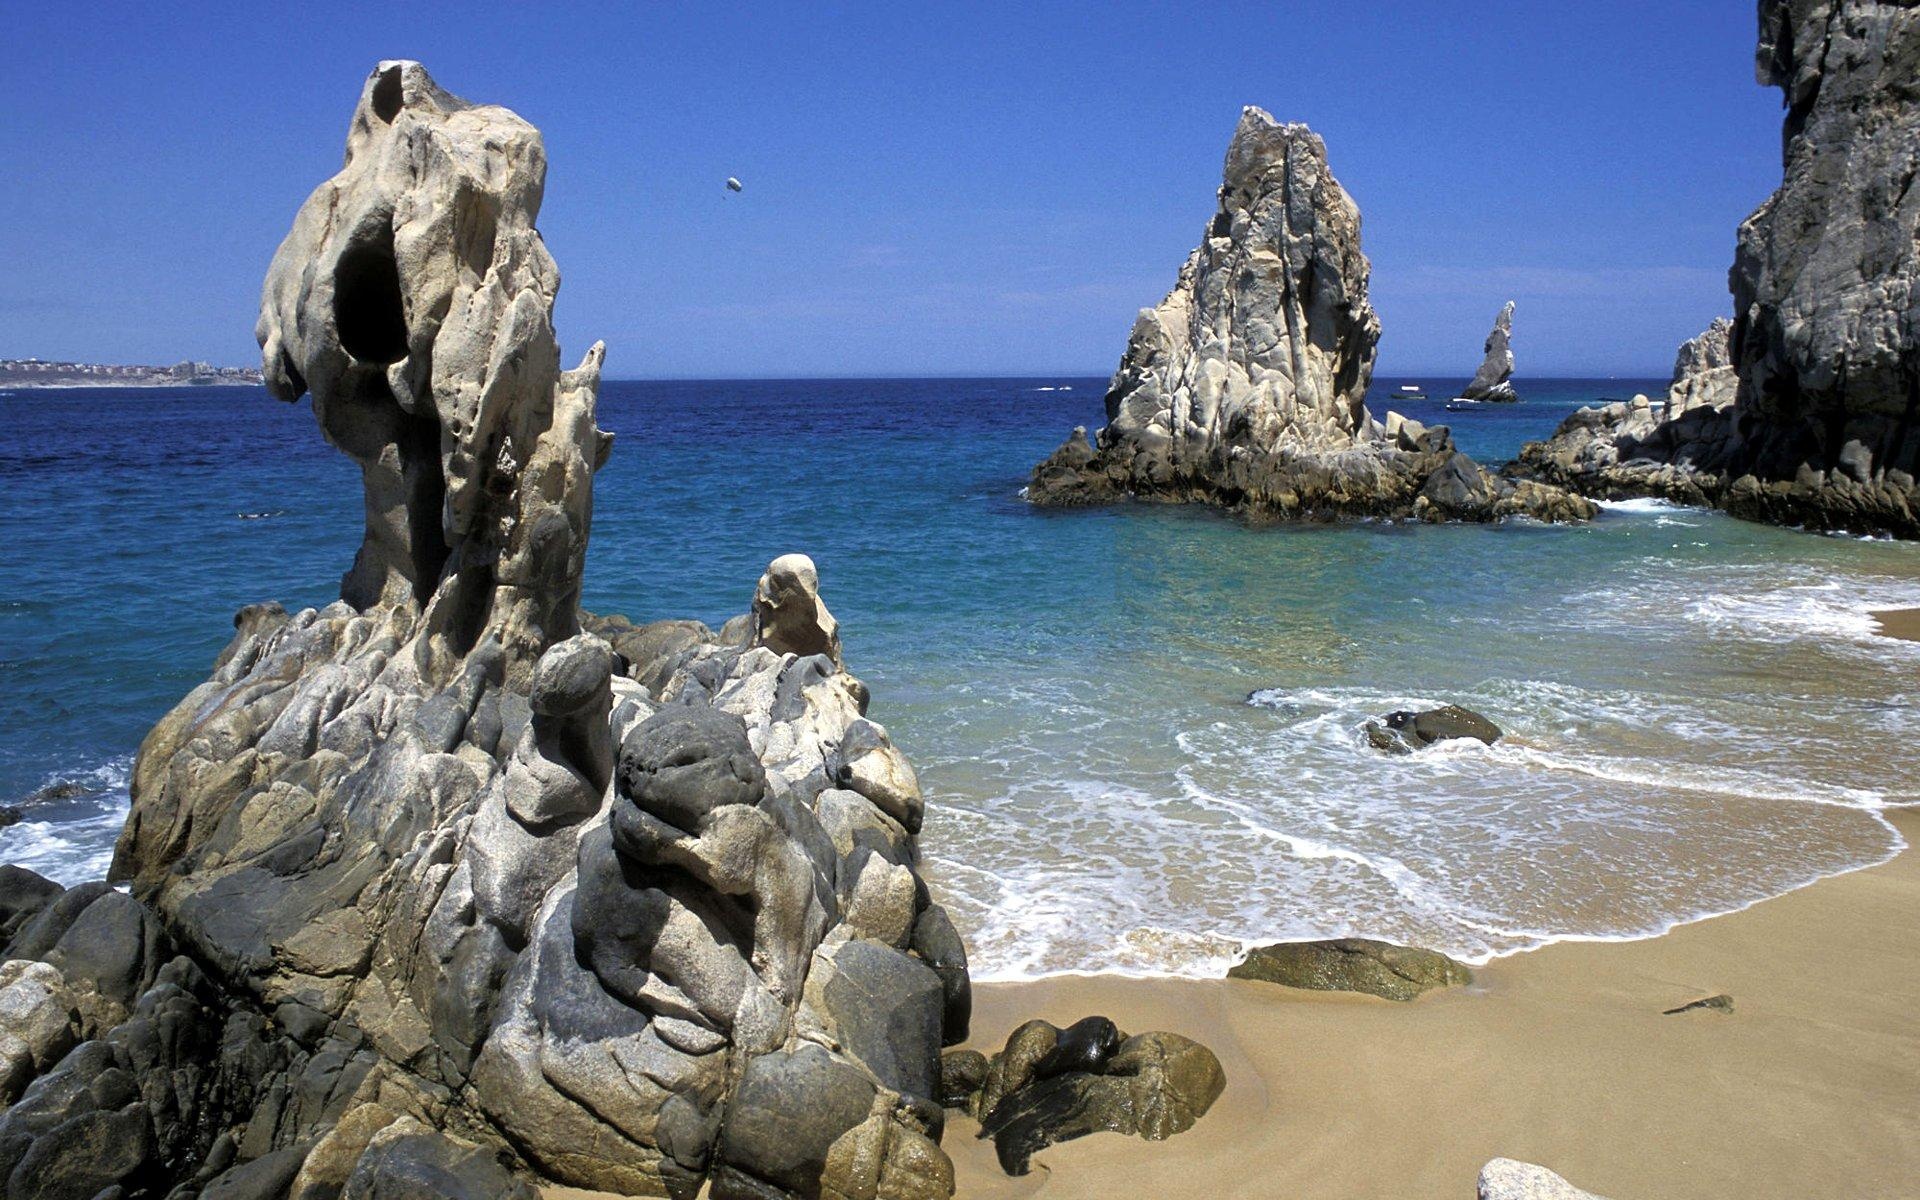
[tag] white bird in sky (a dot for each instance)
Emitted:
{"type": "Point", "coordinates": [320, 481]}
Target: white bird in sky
{"type": "Point", "coordinates": [733, 185]}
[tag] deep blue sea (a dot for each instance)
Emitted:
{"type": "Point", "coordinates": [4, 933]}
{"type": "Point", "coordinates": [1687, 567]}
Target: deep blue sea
{"type": "Point", "coordinates": [1138, 727]}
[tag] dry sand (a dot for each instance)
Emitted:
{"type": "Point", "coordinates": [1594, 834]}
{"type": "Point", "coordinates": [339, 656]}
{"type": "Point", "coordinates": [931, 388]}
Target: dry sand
{"type": "Point", "coordinates": [1899, 623]}
{"type": "Point", "coordinates": [1809, 1090]}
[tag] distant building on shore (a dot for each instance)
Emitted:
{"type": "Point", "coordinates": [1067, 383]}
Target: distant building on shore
{"type": "Point", "coordinates": [37, 372]}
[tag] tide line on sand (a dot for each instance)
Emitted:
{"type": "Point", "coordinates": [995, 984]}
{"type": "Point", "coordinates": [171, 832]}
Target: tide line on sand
{"type": "Point", "coordinates": [1533, 1061]}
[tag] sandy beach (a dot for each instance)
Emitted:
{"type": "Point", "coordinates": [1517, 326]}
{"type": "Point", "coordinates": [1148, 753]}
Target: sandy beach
{"type": "Point", "coordinates": [1561, 1056]}
{"type": "Point", "coordinates": [1903, 623]}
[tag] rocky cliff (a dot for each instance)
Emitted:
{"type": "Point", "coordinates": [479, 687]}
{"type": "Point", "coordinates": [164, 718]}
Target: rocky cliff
{"type": "Point", "coordinates": [448, 888]}
{"type": "Point", "coordinates": [1491, 382]}
{"type": "Point", "coordinates": [1825, 341]}
{"type": "Point", "coordinates": [1247, 385]}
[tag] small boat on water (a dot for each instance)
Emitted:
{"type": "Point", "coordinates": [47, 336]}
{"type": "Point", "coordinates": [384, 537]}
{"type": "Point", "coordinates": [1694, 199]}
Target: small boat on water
{"type": "Point", "coordinates": [1462, 404]}
{"type": "Point", "coordinates": [1411, 391]}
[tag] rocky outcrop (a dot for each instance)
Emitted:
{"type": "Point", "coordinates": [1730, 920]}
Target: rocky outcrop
{"type": "Point", "coordinates": [1051, 1085]}
{"type": "Point", "coordinates": [1506, 1179]}
{"type": "Point", "coordinates": [1822, 426]}
{"type": "Point", "coordinates": [1246, 386]}
{"type": "Point", "coordinates": [1352, 965]}
{"type": "Point", "coordinates": [1492, 384]}
{"type": "Point", "coordinates": [1679, 450]}
{"type": "Point", "coordinates": [449, 888]}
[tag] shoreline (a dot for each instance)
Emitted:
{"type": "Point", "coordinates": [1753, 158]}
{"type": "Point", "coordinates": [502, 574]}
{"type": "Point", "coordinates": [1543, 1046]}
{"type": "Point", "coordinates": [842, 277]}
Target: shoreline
{"type": "Point", "coordinates": [1562, 1055]}
{"type": "Point", "coordinates": [1902, 624]}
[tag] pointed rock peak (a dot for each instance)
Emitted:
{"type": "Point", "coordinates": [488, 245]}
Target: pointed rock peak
{"type": "Point", "coordinates": [1490, 382]}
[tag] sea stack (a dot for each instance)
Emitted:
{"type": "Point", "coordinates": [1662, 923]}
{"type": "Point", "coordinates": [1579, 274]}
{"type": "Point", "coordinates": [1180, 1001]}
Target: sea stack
{"type": "Point", "coordinates": [448, 887]}
{"type": "Point", "coordinates": [1823, 426]}
{"type": "Point", "coordinates": [1492, 382]}
{"type": "Point", "coordinates": [1246, 387]}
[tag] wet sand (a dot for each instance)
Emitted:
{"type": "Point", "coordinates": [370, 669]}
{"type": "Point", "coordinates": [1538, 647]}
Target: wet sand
{"type": "Point", "coordinates": [1560, 1056]}
{"type": "Point", "coordinates": [1903, 623]}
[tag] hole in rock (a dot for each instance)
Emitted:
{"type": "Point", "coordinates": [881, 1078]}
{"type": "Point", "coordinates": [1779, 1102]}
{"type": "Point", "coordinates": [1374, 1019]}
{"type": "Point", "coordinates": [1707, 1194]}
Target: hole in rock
{"type": "Point", "coordinates": [367, 307]}
{"type": "Point", "coordinates": [387, 95]}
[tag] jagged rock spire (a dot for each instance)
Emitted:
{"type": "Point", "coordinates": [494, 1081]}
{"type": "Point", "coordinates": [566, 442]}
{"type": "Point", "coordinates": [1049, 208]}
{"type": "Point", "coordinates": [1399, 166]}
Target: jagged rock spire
{"type": "Point", "coordinates": [1246, 386]}
{"type": "Point", "coordinates": [1490, 382]}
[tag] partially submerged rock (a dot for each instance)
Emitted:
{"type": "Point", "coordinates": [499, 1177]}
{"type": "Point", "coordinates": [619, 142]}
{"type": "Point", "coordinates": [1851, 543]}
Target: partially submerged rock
{"type": "Point", "coordinates": [1050, 1085]}
{"type": "Point", "coordinates": [1403, 732]}
{"type": "Point", "coordinates": [1817, 427]}
{"type": "Point", "coordinates": [1506, 1179]}
{"type": "Point", "coordinates": [1353, 965]}
{"type": "Point", "coordinates": [1492, 382]}
{"type": "Point", "coordinates": [1246, 386]}
{"type": "Point", "coordinates": [474, 893]}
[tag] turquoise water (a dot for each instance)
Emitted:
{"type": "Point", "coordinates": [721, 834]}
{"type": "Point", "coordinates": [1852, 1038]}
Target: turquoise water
{"type": "Point", "coordinates": [1137, 726]}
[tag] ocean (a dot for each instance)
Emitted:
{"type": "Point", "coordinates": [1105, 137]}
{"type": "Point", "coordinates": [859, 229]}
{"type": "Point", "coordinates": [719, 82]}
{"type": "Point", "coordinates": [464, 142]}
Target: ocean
{"type": "Point", "coordinates": [1138, 727]}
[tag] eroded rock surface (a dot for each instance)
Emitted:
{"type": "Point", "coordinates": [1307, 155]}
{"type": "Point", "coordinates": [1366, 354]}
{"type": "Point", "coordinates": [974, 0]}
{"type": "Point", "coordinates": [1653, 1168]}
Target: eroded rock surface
{"type": "Point", "coordinates": [1051, 1085]}
{"type": "Point", "coordinates": [1820, 425]}
{"type": "Point", "coordinates": [1353, 965]}
{"type": "Point", "coordinates": [448, 888]}
{"type": "Point", "coordinates": [1246, 386]}
{"type": "Point", "coordinates": [1492, 382]}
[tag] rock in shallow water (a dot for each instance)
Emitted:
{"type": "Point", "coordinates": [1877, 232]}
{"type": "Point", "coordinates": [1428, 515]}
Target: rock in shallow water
{"type": "Point", "coordinates": [1404, 732]}
{"type": "Point", "coordinates": [1246, 386]}
{"type": "Point", "coordinates": [1353, 965]}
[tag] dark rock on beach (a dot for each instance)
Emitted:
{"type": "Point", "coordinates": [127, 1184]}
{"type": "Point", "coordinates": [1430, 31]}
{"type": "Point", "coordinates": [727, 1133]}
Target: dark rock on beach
{"type": "Point", "coordinates": [1353, 965]}
{"type": "Point", "coordinates": [1246, 386]}
{"type": "Point", "coordinates": [1802, 409]}
{"type": "Point", "coordinates": [1050, 1085]}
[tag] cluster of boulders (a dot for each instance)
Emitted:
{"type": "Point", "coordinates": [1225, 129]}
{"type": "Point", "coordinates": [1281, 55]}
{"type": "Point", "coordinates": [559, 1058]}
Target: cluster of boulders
{"type": "Point", "coordinates": [1246, 387]}
{"type": "Point", "coordinates": [1802, 409]}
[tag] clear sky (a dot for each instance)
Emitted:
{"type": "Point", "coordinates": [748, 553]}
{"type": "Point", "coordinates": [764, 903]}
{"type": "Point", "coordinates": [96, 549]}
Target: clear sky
{"type": "Point", "coordinates": [930, 188]}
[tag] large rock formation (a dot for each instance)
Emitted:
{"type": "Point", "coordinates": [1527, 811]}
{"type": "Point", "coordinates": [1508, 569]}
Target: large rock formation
{"type": "Point", "coordinates": [1825, 344]}
{"type": "Point", "coordinates": [1492, 382]}
{"type": "Point", "coordinates": [1246, 387]}
{"type": "Point", "coordinates": [447, 888]}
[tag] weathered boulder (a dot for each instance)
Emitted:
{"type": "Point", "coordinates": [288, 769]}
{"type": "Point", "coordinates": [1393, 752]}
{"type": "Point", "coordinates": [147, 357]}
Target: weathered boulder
{"type": "Point", "coordinates": [38, 1023]}
{"type": "Point", "coordinates": [788, 615]}
{"type": "Point", "coordinates": [474, 893]}
{"type": "Point", "coordinates": [1352, 965]}
{"type": "Point", "coordinates": [1824, 347]}
{"type": "Point", "coordinates": [1404, 732]}
{"type": "Point", "coordinates": [1051, 1085]}
{"type": "Point", "coordinates": [1246, 386]}
{"type": "Point", "coordinates": [1506, 1179]}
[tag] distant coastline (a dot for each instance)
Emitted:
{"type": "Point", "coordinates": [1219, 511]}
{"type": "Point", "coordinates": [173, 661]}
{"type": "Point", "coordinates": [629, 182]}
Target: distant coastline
{"type": "Point", "coordinates": [19, 374]}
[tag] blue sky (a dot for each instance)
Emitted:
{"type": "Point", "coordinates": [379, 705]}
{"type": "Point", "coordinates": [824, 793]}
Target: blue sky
{"type": "Point", "coordinates": [930, 189]}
